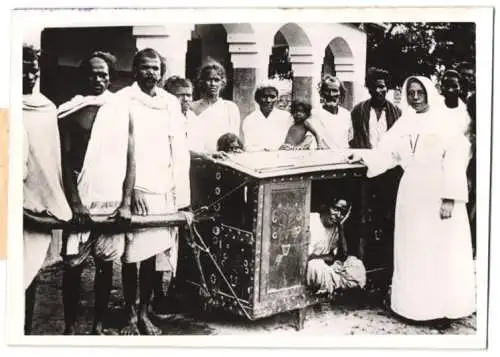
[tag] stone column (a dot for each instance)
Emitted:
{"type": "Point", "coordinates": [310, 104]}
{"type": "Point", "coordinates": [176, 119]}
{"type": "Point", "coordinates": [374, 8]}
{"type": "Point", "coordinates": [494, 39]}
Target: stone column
{"type": "Point", "coordinates": [344, 68]}
{"type": "Point", "coordinates": [170, 41]}
{"type": "Point", "coordinates": [264, 50]}
{"type": "Point", "coordinates": [302, 67]}
{"type": "Point", "coordinates": [243, 50]}
{"type": "Point", "coordinates": [316, 78]}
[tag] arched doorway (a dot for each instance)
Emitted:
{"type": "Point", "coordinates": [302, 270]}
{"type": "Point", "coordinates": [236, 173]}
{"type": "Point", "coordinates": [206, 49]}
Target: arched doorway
{"type": "Point", "coordinates": [209, 41]}
{"type": "Point", "coordinates": [338, 61]}
{"type": "Point", "coordinates": [280, 70]}
{"type": "Point", "coordinates": [290, 64]}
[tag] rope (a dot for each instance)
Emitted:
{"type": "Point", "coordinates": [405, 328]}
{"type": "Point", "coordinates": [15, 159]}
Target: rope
{"type": "Point", "coordinates": [223, 197]}
{"type": "Point", "coordinates": [221, 273]}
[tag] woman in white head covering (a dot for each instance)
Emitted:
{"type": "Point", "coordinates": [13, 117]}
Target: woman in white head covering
{"type": "Point", "coordinates": [433, 277]}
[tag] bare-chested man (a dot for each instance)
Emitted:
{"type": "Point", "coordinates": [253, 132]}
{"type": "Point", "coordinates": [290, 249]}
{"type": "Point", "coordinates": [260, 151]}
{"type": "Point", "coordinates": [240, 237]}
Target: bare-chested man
{"type": "Point", "coordinates": [76, 120]}
{"type": "Point", "coordinates": [161, 182]}
{"type": "Point", "coordinates": [42, 183]}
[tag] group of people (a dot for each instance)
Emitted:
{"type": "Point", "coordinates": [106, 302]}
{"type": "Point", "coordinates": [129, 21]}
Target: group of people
{"type": "Point", "coordinates": [98, 154]}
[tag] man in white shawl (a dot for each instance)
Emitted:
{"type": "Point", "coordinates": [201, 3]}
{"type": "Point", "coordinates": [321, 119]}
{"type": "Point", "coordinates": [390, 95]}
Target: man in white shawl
{"type": "Point", "coordinates": [161, 159]}
{"type": "Point", "coordinates": [332, 122]}
{"type": "Point", "coordinates": [43, 190]}
{"type": "Point", "coordinates": [266, 118]}
{"type": "Point", "coordinates": [76, 120]}
{"type": "Point", "coordinates": [433, 278]}
{"type": "Point", "coordinates": [182, 88]}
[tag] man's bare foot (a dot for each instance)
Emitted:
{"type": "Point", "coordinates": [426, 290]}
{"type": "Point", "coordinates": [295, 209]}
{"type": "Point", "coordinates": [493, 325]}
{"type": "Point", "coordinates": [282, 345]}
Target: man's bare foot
{"type": "Point", "coordinates": [146, 327]}
{"type": "Point", "coordinates": [131, 328]}
{"type": "Point", "coordinates": [97, 328]}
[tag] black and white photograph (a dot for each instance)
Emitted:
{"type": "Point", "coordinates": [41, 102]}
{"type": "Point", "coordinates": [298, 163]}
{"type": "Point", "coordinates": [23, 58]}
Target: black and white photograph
{"type": "Point", "coordinates": [318, 175]}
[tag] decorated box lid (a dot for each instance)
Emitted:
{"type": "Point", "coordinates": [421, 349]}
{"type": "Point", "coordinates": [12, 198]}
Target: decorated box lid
{"type": "Point", "coordinates": [282, 163]}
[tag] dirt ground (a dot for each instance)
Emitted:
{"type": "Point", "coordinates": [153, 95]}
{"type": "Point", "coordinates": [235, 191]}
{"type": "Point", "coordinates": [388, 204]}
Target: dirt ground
{"type": "Point", "coordinates": [345, 316]}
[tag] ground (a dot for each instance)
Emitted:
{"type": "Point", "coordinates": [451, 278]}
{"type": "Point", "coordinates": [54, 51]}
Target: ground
{"type": "Point", "coordinates": [343, 317]}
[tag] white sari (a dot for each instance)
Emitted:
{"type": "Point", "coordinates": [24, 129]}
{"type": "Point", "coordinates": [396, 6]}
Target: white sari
{"type": "Point", "coordinates": [219, 118]}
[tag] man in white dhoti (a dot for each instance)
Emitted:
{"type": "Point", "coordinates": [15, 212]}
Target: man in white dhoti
{"type": "Point", "coordinates": [76, 120]}
{"type": "Point", "coordinates": [332, 122]}
{"type": "Point", "coordinates": [182, 88]}
{"type": "Point", "coordinates": [275, 122]}
{"type": "Point", "coordinates": [329, 268]}
{"type": "Point", "coordinates": [433, 276]}
{"type": "Point", "coordinates": [43, 190]}
{"type": "Point", "coordinates": [161, 182]}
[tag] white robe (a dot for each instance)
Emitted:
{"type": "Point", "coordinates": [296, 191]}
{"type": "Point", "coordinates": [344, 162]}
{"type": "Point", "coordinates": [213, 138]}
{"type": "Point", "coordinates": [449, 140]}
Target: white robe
{"type": "Point", "coordinates": [162, 165]}
{"type": "Point", "coordinates": [80, 101]}
{"type": "Point", "coordinates": [261, 133]}
{"type": "Point", "coordinates": [43, 190]}
{"type": "Point", "coordinates": [460, 116]}
{"type": "Point", "coordinates": [433, 265]}
{"type": "Point", "coordinates": [334, 129]}
{"type": "Point", "coordinates": [219, 118]}
{"type": "Point", "coordinates": [78, 245]}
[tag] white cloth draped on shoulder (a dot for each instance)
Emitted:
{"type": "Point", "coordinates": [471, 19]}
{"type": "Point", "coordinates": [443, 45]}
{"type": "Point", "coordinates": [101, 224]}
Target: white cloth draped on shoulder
{"type": "Point", "coordinates": [42, 190]}
{"type": "Point", "coordinates": [261, 133]}
{"type": "Point", "coordinates": [334, 129]}
{"type": "Point", "coordinates": [460, 116]}
{"type": "Point", "coordinates": [81, 101]}
{"type": "Point", "coordinates": [221, 117]}
{"type": "Point", "coordinates": [162, 165]}
{"type": "Point", "coordinates": [433, 263]}
{"type": "Point", "coordinates": [101, 179]}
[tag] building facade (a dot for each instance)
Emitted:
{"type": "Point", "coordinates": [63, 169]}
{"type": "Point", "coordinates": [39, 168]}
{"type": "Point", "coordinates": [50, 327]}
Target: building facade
{"type": "Point", "coordinates": [248, 51]}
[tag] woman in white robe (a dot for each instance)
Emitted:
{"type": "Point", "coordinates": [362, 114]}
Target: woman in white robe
{"type": "Point", "coordinates": [433, 266]}
{"type": "Point", "coordinates": [215, 116]}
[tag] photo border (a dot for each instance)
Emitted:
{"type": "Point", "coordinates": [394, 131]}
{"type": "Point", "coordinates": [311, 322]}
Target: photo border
{"type": "Point", "coordinates": [37, 19]}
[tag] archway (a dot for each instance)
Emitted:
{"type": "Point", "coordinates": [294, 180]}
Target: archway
{"type": "Point", "coordinates": [290, 64]}
{"type": "Point", "coordinates": [339, 61]}
{"type": "Point", "coordinates": [209, 41]}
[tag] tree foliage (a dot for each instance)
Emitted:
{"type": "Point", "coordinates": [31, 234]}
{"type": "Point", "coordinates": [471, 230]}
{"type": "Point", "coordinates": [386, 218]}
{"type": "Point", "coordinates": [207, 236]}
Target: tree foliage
{"type": "Point", "coordinates": [420, 48]}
